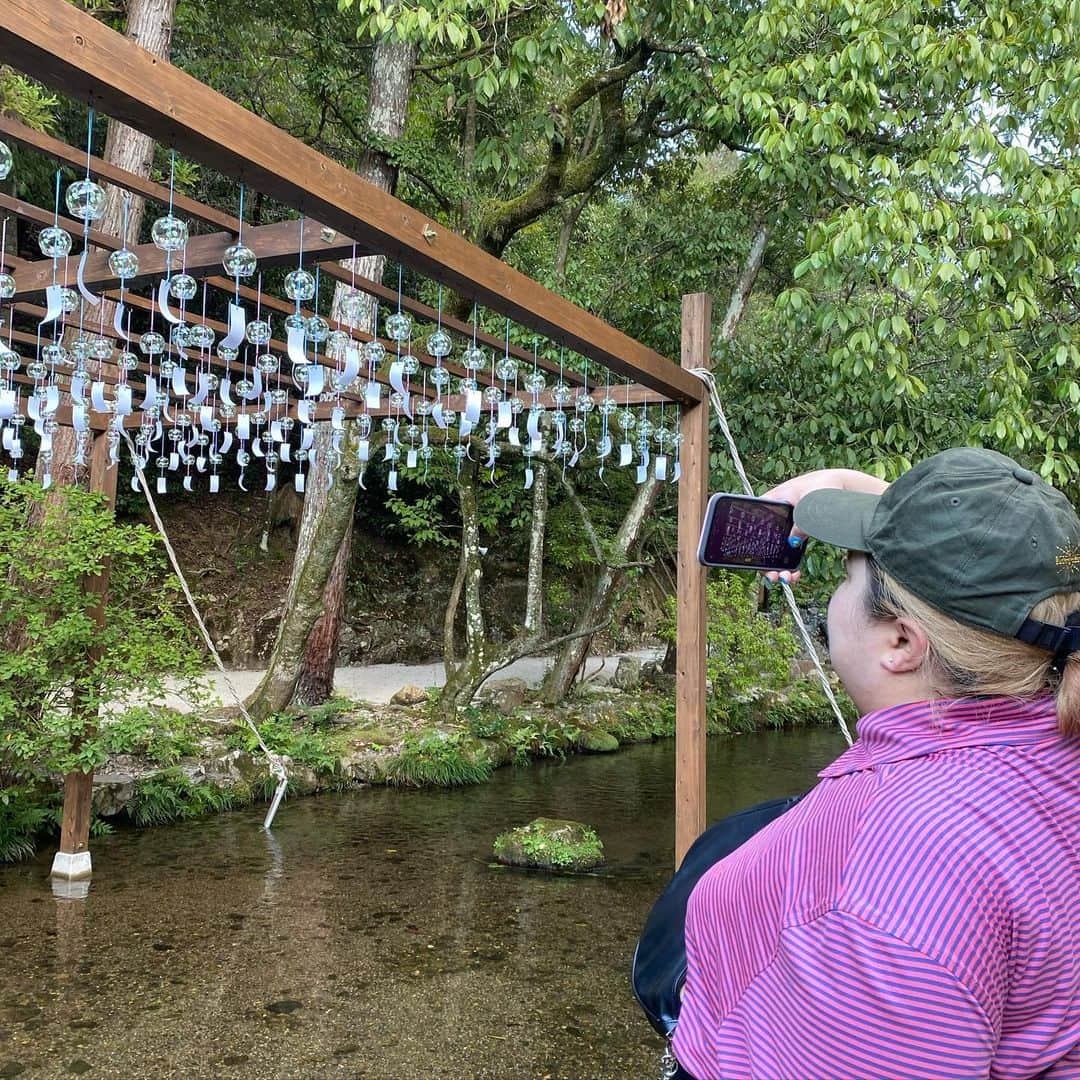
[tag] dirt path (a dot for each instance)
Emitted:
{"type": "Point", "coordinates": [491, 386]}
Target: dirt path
{"type": "Point", "coordinates": [379, 682]}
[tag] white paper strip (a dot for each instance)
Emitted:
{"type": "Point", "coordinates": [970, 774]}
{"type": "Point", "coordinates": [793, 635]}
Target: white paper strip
{"type": "Point", "coordinates": [642, 473]}
{"type": "Point", "coordinates": [514, 437]}
{"type": "Point", "coordinates": [506, 414]}
{"type": "Point", "coordinates": [473, 401]}
{"type": "Point", "coordinates": [352, 366]}
{"type": "Point", "coordinates": [307, 439]}
{"type": "Point", "coordinates": [87, 295]}
{"type": "Point", "coordinates": [363, 450]}
{"type": "Point", "coordinates": [533, 426]}
{"type": "Point", "coordinates": [118, 322]}
{"type": "Point", "coordinates": [203, 382]}
{"type": "Point", "coordinates": [316, 380]}
{"type": "Point", "coordinates": [226, 443]}
{"type": "Point", "coordinates": [161, 485]}
{"type": "Point", "coordinates": [77, 385]}
{"type": "Point", "coordinates": [54, 303]}
{"type": "Point", "coordinates": [206, 418]}
{"type": "Point", "coordinates": [295, 339]}
{"type": "Point", "coordinates": [163, 302]}
{"type": "Point", "coordinates": [298, 483]}
{"type": "Point", "coordinates": [275, 431]}
{"type": "Point", "coordinates": [337, 418]}
{"type": "Point", "coordinates": [437, 416]}
{"type": "Point", "coordinates": [224, 392]}
{"type": "Point", "coordinates": [179, 384]}
{"type": "Point", "coordinates": [237, 322]}
{"type": "Point", "coordinates": [187, 483]}
{"type": "Point", "coordinates": [97, 397]}
{"type": "Point", "coordinates": [410, 459]}
{"type": "Point", "coordinates": [391, 480]}
{"type": "Point", "coordinates": [52, 401]}
{"type": "Point", "coordinates": [603, 448]}
{"type": "Point", "coordinates": [215, 483]}
{"type": "Point", "coordinates": [528, 478]}
{"type": "Point", "coordinates": [305, 411]}
{"type": "Point", "coordinates": [372, 394]}
{"type": "Point", "coordinates": [464, 427]}
{"type": "Point", "coordinates": [271, 481]}
{"type": "Point", "coordinates": [256, 387]}
{"type": "Point", "coordinates": [626, 453]}
{"type": "Point", "coordinates": [660, 467]}
{"type": "Point", "coordinates": [123, 401]}
{"type": "Point", "coordinates": [174, 461]}
{"type": "Point", "coordinates": [79, 420]}
{"type": "Point", "coordinates": [243, 426]}
{"type": "Point", "coordinates": [149, 394]}
{"type": "Point", "coordinates": [256, 448]}
{"type": "Point", "coordinates": [284, 453]}
{"type": "Point", "coordinates": [676, 472]}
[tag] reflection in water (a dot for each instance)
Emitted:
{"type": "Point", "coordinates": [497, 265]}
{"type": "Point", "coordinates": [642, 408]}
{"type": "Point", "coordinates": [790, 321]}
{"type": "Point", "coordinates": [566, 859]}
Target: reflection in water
{"type": "Point", "coordinates": [368, 934]}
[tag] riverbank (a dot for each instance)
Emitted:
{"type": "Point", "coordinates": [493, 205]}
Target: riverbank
{"type": "Point", "coordinates": [165, 766]}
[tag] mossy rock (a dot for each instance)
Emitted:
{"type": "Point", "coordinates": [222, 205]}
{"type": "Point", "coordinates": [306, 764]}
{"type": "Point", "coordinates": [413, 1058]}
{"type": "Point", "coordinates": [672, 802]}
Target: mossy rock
{"type": "Point", "coordinates": [598, 742]}
{"type": "Point", "coordinates": [550, 844]}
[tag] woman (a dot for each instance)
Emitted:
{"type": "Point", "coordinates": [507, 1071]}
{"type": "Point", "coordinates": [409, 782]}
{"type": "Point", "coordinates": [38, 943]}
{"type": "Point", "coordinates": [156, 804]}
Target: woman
{"type": "Point", "coordinates": [918, 913]}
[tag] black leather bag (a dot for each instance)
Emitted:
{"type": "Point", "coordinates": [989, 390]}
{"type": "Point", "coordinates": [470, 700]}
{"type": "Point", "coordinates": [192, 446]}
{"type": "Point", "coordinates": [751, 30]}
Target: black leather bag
{"type": "Point", "coordinates": [659, 967]}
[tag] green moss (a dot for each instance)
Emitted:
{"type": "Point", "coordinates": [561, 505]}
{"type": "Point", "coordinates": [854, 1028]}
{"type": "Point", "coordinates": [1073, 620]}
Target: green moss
{"type": "Point", "coordinates": [373, 736]}
{"type": "Point", "coordinates": [550, 844]}
{"type": "Point", "coordinates": [598, 742]}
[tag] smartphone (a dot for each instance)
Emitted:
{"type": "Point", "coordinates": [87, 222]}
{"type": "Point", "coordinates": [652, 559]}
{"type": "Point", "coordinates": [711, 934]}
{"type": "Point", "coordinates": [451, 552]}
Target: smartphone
{"type": "Point", "coordinates": [744, 533]}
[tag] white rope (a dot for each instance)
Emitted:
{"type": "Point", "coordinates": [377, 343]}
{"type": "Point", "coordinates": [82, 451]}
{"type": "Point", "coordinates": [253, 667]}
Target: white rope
{"type": "Point", "coordinates": [706, 376]}
{"type": "Point", "coordinates": [277, 766]}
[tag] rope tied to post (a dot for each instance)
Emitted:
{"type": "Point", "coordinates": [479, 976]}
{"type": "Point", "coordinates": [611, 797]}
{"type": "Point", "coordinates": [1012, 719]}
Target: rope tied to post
{"type": "Point", "coordinates": [707, 377]}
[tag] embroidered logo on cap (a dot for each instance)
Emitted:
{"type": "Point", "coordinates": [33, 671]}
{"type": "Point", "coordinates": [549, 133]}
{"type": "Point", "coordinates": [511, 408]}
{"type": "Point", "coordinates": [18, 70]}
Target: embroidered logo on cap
{"type": "Point", "coordinates": [1068, 558]}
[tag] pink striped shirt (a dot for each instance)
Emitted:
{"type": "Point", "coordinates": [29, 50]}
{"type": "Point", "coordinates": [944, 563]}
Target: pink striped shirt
{"type": "Point", "coordinates": [916, 915]}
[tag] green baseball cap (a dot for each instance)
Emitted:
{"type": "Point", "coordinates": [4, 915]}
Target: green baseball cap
{"type": "Point", "coordinates": [969, 531]}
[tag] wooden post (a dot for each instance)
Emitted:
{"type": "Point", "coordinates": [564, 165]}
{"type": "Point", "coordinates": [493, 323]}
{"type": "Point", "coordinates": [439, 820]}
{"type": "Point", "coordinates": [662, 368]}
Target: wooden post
{"type": "Point", "coordinates": [72, 861]}
{"type": "Point", "coordinates": [690, 600]}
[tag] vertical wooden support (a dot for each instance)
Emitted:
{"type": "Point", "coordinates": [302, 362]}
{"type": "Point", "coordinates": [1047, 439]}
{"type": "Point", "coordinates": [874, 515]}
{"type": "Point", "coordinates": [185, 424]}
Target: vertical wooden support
{"type": "Point", "coordinates": [72, 861]}
{"type": "Point", "coordinates": [690, 602]}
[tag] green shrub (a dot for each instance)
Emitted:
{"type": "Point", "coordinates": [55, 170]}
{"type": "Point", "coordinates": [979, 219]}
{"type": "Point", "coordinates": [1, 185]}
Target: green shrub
{"type": "Point", "coordinates": [162, 735]}
{"type": "Point", "coordinates": [23, 816]}
{"type": "Point", "coordinates": [53, 653]}
{"type": "Point", "coordinates": [171, 795]}
{"type": "Point", "coordinates": [435, 759]}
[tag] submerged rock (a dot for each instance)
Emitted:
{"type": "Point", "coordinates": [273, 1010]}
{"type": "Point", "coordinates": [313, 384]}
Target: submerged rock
{"type": "Point", "coordinates": [550, 844]}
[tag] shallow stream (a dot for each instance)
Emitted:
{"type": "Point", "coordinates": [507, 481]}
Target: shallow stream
{"type": "Point", "coordinates": [369, 935]}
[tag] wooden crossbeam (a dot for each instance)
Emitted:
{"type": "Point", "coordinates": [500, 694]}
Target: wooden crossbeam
{"type": "Point", "coordinates": [272, 244]}
{"type": "Point", "coordinates": [71, 52]}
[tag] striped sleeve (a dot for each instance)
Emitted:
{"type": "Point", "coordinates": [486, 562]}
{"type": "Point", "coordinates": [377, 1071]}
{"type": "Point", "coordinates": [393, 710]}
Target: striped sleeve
{"type": "Point", "coordinates": [843, 998]}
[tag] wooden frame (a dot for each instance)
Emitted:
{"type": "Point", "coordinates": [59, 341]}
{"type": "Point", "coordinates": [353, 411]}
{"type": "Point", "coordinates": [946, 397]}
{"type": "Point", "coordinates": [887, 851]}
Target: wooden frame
{"type": "Point", "coordinates": [73, 53]}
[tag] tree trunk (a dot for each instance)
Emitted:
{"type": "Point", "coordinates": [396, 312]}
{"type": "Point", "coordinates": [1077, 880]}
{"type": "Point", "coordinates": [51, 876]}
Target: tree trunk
{"type": "Point", "coordinates": [609, 583]}
{"type": "Point", "coordinates": [481, 659]}
{"type": "Point", "coordinates": [305, 652]}
{"type": "Point", "coordinates": [603, 596]}
{"type": "Point", "coordinates": [149, 24]}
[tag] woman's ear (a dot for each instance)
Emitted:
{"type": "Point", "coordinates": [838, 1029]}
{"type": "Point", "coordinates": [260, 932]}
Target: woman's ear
{"type": "Point", "coordinates": [907, 649]}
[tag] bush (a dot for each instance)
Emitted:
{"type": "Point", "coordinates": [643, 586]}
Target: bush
{"type": "Point", "coordinates": [58, 667]}
{"type": "Point", "coordinates": [434, 759]}
{"type": "Point", "coordinates": [171, 795]}
{"type": "Point", "coordinates": [23, 815]}
{"type": "Point", "coordinates": [747, 655]}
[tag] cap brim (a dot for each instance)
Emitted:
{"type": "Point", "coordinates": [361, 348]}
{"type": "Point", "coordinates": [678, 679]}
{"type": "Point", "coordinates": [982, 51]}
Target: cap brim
{"type": "Point", "coordinates": [837, 517]}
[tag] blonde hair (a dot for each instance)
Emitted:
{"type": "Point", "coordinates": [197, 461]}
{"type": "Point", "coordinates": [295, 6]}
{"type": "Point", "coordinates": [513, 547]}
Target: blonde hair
{"type": "Point", "coordinates": [966, 661]}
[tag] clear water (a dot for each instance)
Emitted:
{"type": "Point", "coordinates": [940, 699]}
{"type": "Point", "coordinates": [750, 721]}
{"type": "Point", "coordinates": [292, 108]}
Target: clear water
{"type": "Point", "coordinates": [369, 936]}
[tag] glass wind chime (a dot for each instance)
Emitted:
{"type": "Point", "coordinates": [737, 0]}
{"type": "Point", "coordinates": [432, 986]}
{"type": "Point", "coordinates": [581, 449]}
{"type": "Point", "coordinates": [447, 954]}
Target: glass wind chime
{"type": "Point", "coordinates": [188, 398]}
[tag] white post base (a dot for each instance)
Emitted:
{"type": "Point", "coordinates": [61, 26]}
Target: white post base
{"type": "Point", "coordinates": [71, 867]}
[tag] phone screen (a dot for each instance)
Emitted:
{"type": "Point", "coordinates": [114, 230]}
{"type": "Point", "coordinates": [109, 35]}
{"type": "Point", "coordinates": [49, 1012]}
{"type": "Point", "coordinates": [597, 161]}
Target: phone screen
{"type": "Point", "coordinates": [745, 533]}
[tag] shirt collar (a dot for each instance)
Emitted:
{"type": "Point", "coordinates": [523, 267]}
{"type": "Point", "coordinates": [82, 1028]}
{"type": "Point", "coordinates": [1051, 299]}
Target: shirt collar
{"type": "Point", "coordinates": [919, 728]}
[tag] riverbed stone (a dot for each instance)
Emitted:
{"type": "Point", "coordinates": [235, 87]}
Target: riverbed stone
{"type": "Point", "coordinates": [550, 844]}
{"type": "Point", "coordinates": [503, 695]}
{"type": "Point", "coordinates": [409, 694]}
{"type": "Point", "coordinates": [628, 673]}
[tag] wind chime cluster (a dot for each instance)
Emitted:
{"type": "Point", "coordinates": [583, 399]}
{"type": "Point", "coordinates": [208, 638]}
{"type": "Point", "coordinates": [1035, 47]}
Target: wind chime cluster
{"type": "Point", "coordinates": [187, 398]}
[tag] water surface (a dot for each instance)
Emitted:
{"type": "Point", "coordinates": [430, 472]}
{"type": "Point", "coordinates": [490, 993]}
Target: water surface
{"type": "Point", "coordinates": [368, 936]}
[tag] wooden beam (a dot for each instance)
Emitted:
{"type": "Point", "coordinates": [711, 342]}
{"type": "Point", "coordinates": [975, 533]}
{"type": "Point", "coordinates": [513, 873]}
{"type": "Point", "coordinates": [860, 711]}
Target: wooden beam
{"type": "Point", "coordinates": [101, 170]}
{"type": "Point", "coordinates": [690, 590]}
{"type": "Point", "coordinates": [272, 244]}
{"type": "Point", "coordinates": [71, 52]}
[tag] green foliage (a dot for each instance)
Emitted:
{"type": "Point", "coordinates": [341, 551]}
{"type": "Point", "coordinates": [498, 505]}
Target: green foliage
{"type": "Point", "coordinates": [747, 654]}
{"type": "Point", "coordinates": [421, 519]}
{"type": "Point", "coordinates": [435, 759]}
{"type": "Point", "coordinates": [58, 668]}
{"type": "Point", "coordinates": [162, 735]}
{"type": "Point", "coordinates": [546, 847]}
{"type": "Point", "coordinates": [171, 795]}
{"type": "Point", "coordinates": [805, 705]}
{"type": "Point", "coordinates": [23, 815]}
{"type": "Point", "coordinates": [541, 737]}
{"type": "Point", "coordinates": [26, 100]}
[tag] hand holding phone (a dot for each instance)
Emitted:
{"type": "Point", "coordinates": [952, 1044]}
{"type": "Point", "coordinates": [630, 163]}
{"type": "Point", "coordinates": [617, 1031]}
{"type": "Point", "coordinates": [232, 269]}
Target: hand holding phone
{"type": "Point", "coordinates": [744, 533]}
